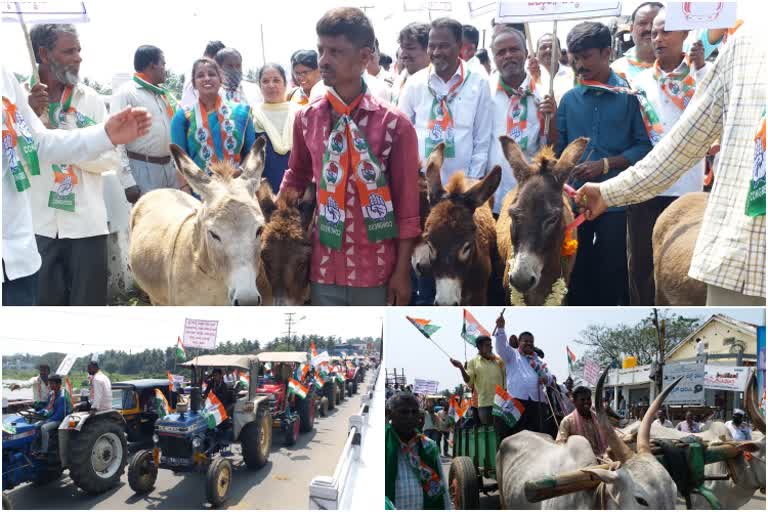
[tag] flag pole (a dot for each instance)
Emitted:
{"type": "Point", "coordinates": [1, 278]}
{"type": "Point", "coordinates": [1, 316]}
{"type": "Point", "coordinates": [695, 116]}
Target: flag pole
{"type": "Point", "coordinates": [553, 60]}
{"type": "Point", "coordinates": [496, 328]}
{"type": "Point", "coordinates": [439, 347]}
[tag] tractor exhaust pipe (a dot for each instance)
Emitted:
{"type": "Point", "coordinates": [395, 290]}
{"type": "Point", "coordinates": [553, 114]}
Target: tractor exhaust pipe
{"type": "Point", "coordinates": [195, 400]}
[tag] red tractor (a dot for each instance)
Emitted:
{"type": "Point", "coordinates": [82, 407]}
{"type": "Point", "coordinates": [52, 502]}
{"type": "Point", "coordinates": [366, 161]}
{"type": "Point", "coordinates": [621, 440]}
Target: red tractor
{"type": "Point", "coordinates": [290, 412]}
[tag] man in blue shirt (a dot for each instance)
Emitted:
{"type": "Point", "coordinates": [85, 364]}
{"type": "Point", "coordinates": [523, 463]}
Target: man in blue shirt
{"type": "Point", "coordinates": [600, 108]}
{"type": "Point", "coordinates": [54, 412]}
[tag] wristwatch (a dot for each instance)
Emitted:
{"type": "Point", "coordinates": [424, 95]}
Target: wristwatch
{"type": "Point", "coordinates": [606, 166]}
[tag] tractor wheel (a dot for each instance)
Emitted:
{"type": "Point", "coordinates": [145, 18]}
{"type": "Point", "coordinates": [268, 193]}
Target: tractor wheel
{"type": "Point", "coordinates": [306, 410]}
{"type": "Point", "coordinates": [354, 387]}
{"type": "Point", "coordinates": [218, 481]}
{"type": "Point", "coordinates": [142, 472]}
{"type": "Point", "coordinates": [324, 406]}
{"type": "Point", "coordinates": [292, 432]}
{"type": "Point", "coordinates": [98, 455]}
{"type": "Point", "coordinates": [256, 440]}
{"type": "Point", "coordinates": [331, 395]}
{"type": "Point", "coordinates": [7, 505]}
{"type": "Point", "coordinates": [342, 394]}
{"type": "Point", "coordinates": [463, 484]}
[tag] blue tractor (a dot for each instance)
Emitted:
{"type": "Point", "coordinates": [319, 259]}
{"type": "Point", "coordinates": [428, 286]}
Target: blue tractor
{"type": "Point", "coordinates": [92, 446]}
{"type": "Point", "coordinates": [189, 441]}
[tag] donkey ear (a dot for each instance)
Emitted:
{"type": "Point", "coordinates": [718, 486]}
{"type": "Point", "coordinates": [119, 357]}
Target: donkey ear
{"type": "Point", "coordinates": [569, 158]}
{"type": "Point", "coordinates": [266, 199]}
{"type": "Point", "coordinates": [197, 179]}
{"type": "Point", "coordinates": [481, 192]}
{"type": "Point", "coordinates": [514, 155]}
{"type": "Point", "coordinates": [253, 165]}
{"type": "Point", "coordinates": [434, 181]}
{"type": "Point", "coordinates": [307, 205]}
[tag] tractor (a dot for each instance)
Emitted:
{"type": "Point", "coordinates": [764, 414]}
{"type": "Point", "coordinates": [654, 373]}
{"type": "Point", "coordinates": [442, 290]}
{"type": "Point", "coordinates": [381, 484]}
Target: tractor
{"type": "Point", "coordinates": [92, 446]}
{"type": "Point", "coordinates": [336, 373]}
{"type": "Point", "coordinates": [135, 401]}
{"type": "Point", "coordinates": [196, 439]}
{"type": "Point", "coordinates": [290, 413]}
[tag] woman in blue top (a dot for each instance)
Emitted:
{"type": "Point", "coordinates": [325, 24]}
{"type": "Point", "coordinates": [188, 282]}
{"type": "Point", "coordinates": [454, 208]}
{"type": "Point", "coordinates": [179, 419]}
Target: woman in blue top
{"type": "Point", "coordinates": [213, 129]}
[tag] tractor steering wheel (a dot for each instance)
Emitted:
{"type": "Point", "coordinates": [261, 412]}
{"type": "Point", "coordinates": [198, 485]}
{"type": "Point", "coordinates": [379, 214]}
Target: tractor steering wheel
{"type": "Point", "coordinates": [31, 416]}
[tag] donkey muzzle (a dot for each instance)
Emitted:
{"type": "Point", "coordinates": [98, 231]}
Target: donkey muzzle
{"type": "Point", "coordinates": [525, 271]}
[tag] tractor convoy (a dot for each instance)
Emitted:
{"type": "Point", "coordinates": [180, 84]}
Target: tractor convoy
{"type": "Point", "coordinates": [184, 429]}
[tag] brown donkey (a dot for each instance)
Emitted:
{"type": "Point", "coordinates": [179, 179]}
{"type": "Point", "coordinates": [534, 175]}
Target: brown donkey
{"type": "Point", "coordinates": [532, 222]}
{"type": "Point", "coordinates": [458, 243]}
{"type": "Point", "coordinates": [286, 245]}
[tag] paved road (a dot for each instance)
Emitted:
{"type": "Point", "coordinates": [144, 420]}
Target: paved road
{"type": "Point", "coordinates": [282, 484]}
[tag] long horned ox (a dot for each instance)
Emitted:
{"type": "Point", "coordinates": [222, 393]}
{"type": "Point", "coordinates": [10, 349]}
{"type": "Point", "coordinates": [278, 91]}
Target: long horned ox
{"type": "Point", "coordinates": [674, 238]}
{"type": "Point", "coordinates": [187, 252]}
{"type": "Point", "coordinates": [636, 480]}
{"type": "Point", "coordinates": [746, 471]}
{"type": "Point", "coordinates": [458, 244]}
{"type": "Point", "coordinates": [532, 223]}
{"type": "Point", "coordinates": [286, 245]}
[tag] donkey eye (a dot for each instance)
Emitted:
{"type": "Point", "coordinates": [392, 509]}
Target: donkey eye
{"type": "Point", "coordinates": [214, 236]}
{"type": "Point", "coordinates": [641, 501]}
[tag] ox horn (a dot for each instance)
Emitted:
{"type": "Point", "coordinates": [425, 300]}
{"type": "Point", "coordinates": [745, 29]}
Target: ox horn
{"type": "Point", "coordinates": [619, 447]}
{"type": "Point", "coordinates": [644, 432]}
{"type": "Point", "coordinates": [758, 419]}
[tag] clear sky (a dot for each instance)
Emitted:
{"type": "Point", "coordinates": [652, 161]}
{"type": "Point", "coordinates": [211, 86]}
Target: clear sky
{"type": "Point", "coordinates": [553, 329]}
{"type": "Point", "coordinates": [181, 28]}
{"type": "Point", "coordinates": [86, 330]}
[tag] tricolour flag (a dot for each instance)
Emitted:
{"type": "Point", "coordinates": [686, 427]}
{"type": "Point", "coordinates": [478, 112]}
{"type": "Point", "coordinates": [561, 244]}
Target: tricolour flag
{"type": "Point", "coordinates": [70, 400]}
{"type": "Point", "coordinates": [242, 380]}
{"type": "Point", "coordinates": [161, 404]}
{"type": "Point", "coordinates": [571, 359]}
{"type": "Point", "coordinates": [319, 381]}
{"type": "Point", "coordinates": [457, 408]}
{"type": "Point", "coordinates": [507, 408]}
{"type": "Point", "coordinates": [424, 326]}
{"type": "Point", "coordinates": [214, 411]}
{"type": "Point", "coordinates": [297, 388]}
{"type": "Point", "coordinates": [471, 329]}
{"type": "Point", "coordinates": [181, 355]}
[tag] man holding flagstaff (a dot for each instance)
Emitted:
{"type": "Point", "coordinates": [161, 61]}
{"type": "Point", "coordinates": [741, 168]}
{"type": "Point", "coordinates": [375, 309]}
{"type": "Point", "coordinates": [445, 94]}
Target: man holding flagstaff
{"type": "Point", "coordinates": [526, 377]}
{"type": "Point", "coordinates": [484, 372]}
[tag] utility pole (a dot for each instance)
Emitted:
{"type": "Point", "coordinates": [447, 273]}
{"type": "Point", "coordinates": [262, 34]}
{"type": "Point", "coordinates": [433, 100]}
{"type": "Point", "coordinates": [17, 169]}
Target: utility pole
{"type": "Point", "coordinates": [290, 323]}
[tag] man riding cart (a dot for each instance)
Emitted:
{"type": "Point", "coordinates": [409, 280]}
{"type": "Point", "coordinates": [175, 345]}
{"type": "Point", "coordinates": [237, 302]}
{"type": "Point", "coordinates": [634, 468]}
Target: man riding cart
{"type": "Point", "coordinates": [137, 401]}
{"type": "Point", "coordinates": [293, 401]}
{"type": "Point", "coordinates": [199, 436]}
{"type": "Point", "coordinates": [39, 444]}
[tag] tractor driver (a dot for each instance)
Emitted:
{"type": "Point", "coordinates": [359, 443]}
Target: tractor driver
{"type": "Point", "coordinates": [53, 412]}
{"type": "Point", "coordinates": [218, 387]}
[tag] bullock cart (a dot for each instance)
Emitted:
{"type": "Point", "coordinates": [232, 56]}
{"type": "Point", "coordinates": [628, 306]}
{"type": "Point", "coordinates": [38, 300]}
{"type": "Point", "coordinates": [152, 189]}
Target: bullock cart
{"type": "Point", "coordinates": [474, 462]}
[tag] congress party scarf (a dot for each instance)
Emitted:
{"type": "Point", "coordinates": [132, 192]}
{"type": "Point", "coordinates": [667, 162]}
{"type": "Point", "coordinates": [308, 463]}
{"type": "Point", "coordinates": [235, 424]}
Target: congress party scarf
{"type": "Point", "coordinates": [633, 60]}
{"type": "Point", "coordinates": [62, 196]}
{"type": "Point", "coordinates": [517, 113]}
{"type": "Point", "coordinates": [18, 146]}
{"type": "Point", "coordinates": [440, 125]}
{"type": "Point", "coordinates": [423, 457]}
{"type": "Point", "coordinates": [756, 196]}
{"type": "Point", "coordinates": [347, 154]}
{"type": "Point", "coordinates": [170, 102]}
{"type": "Point", "coordinates": [650, 117]}
{"type": "Point", "coordinates": [203, 136]}
{"type": "Point", "coordinates": [679, 85]}
{"type": "Point", "coordinates": [536, 364]}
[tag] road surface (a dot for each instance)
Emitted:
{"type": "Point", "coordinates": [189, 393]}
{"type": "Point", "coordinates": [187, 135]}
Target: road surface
{"type": "Point", "coordinates": [282, 484]}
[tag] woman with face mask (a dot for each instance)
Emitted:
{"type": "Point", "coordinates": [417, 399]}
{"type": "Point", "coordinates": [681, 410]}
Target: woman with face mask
{"type": "Point", "coordinates": [214, 129]}
{"type": "Point", "coordinates": [274, 118]}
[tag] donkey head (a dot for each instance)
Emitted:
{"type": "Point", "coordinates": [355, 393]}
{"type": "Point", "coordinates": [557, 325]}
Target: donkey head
{"type": "Point", "coordinates": [286, 244]}
{"type": "Point", "coordinates": [449, 245]}
{"type": "Point", "coordinates": [229, 225]}
{"type": "Point", "coordinates": [537, 212]}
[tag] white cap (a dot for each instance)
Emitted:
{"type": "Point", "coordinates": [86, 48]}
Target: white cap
{"type": "Point", "coordinates": [739, 411]}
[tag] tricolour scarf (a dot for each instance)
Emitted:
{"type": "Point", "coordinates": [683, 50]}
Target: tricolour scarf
{"type": "Point", "coordinates": [756, 196]}
{"type": "Point", "coordinates": [170, 102]}
{"type": "Point", "coordinates": [441, 126]}
{"type": "Point", "coordinates": [348, 155]}
{"type": "Point", "coordinates": [425, 465]}
{"type": "Point", "coordinates": [230, 139]}
{"type": "Point", "coordinates": [679, 85]}
{"type": "Point", "coordinates": [18, 146]}
{"type": "Point", "coordinates": [517, 113]}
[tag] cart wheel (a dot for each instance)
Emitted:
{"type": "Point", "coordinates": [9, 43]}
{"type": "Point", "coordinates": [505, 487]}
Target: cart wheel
{"type": "Point", "coordinates": [463, 484]}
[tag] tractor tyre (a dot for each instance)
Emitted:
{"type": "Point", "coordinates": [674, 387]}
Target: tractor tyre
{"type": "Point", "coordinates": [292, 432]}
{"type": "Point", "coordinates": [306, 410]}
{"type": "Point", "coordinates": [142, 472]}
{"type": "Point", "coordinates": [463, 484]}
{"type": "Point", "coordinates": [98, 455]}
{"type": "Point", "coordinates": [218, 481]}
{"type": "Point", "coordinates": [324, 406]}
{"type": "Point", "coordinates": [342, 392]}
{"type": "Point", "coordinates": [256, 440]}
{"type": "Point", "coordinates": [330, 392]}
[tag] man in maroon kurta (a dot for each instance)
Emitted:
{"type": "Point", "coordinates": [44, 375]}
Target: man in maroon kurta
{"type": "Point", "coordinates": [360, 269]}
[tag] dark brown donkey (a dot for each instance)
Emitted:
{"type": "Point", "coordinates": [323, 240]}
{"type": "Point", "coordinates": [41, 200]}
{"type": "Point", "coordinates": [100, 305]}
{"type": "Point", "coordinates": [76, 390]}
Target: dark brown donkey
{"type": "Point", "coordinates": [458, 243]}
{"type": "Point", "coordinates": [286, 247]}
{"type": "Point", "coordinates": [531, 225]}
